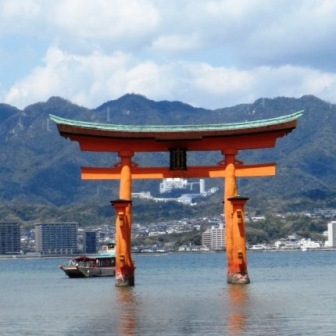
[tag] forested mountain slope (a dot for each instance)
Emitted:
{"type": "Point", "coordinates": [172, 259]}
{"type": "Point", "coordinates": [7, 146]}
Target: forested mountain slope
{"type": "Point", "coordinates": [40, 167]}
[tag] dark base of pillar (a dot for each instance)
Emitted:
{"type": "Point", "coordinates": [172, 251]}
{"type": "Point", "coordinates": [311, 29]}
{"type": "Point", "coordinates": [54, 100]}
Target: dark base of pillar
{"type": "Point", "coordinates": [238, 278]}
{"type": "Point", "coordinates": [124, 280]}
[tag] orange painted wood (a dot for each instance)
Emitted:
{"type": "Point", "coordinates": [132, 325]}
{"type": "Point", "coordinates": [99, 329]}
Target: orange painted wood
{"type": "Point", "coordinates": [124, 262]}
{"type": "Point", "coordinates": [230, 190]}
{"type": "Point", "coordinates": [245, 141]}
{"type": "Point", "coordinates": [238, 265]}
{"type": "Point", "coordinates": [104, 173]}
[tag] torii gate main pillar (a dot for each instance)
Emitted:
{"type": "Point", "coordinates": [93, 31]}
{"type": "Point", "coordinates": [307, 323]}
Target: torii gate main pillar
{"type": "Point", "coordinates": [234, 224]}
{"type": "Point", "coordinates": [124, 263]}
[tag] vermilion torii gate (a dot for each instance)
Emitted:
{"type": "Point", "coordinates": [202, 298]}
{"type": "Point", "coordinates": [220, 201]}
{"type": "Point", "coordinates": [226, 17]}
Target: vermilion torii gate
{"type": "Point", "coordinates": [229, 139]}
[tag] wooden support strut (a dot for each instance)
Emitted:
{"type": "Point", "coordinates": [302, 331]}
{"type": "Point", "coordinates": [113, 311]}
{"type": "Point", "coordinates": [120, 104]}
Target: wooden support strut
{"type": "Point", "coordinates": [237, 270]}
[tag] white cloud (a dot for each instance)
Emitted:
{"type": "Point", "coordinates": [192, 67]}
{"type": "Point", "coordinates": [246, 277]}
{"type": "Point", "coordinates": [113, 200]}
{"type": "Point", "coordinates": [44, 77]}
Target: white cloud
{"type": "Point", "coordinates": [18, 16]}
{"type": "Point", "coordinates": [67, 75]}
{"type": "Point", "coordinates": [209, 53]}
{"type": "Point", "coordinates": [92, 79]}
{"type": "Point", "coordinates": [19, 8]}
{"type": "Point", "coordinates": [114, 20]}
{"type": "Point", "coordinates": [176, 43]}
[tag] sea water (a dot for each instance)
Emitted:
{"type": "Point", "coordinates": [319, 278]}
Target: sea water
{"type": "Point", "coordinates": [291, 293]}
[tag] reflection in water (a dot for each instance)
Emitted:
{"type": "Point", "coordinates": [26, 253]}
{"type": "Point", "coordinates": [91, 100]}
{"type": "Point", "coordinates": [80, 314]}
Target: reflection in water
{"type": "Point", "coordinates": [238, 299]}
{"type": "Point", "coordinates": [127, 311]}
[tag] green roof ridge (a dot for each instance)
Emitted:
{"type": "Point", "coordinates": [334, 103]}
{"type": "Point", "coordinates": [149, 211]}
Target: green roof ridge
{"type": "Point", "coordinates": [176, 128]}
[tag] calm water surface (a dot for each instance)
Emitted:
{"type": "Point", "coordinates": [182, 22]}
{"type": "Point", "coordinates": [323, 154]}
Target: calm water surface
{"type": "Point", "coordinates": [291, 293]}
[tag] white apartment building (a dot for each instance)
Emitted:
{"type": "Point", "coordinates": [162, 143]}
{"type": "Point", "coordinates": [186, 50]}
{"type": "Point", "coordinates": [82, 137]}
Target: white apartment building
{"type": "Point", "coordinates": [169, 184]}
{"type": "Point", "coordinates": [206, 238]}
{"type": "Point", "coordinates": [332, 234]}
{"type": "Point", "coordinates": [214, 238]}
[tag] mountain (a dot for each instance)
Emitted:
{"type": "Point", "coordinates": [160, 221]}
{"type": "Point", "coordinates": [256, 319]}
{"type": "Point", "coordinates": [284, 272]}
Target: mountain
{"type": "Point", "coordinates": [40, 167]}
{"type": "Point", "coordinates": [306, 158]}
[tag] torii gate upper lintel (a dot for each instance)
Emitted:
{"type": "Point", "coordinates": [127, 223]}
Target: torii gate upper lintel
{"type": "Point", "coordinates": [178, 140]}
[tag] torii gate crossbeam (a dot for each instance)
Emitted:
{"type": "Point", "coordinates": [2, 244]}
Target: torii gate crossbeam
{"type": "Point", "coordinates": [141, 173]}
{"type": "Point", "coordinates": [178, 140]}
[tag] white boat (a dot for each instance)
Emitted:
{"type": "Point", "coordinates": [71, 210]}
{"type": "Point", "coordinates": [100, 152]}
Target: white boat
{"type": "Point", "coordinates": [99, 265]}
{"type": "Point", "coordinates": [258, 247]}
{"type": "Point", "coordinates": [308, 244]}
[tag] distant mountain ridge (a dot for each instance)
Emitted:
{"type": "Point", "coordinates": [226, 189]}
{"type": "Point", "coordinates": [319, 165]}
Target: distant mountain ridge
{"type": "Point", "coordinates": [40, 167]}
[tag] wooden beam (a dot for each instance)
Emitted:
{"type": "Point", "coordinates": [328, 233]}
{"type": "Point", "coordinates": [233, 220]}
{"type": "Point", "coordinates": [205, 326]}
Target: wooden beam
{"type": "Point", "coordinates": [103, 173]}
{"type": "Point", "coordinates": [255, 170]}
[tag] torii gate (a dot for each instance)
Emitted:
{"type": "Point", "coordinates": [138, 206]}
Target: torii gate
{"type": "Point", "coordinates": [229, 139]}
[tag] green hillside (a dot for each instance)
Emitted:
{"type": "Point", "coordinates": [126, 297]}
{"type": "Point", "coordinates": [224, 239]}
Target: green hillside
{"type": "Point", "coordinates": [41, 170]}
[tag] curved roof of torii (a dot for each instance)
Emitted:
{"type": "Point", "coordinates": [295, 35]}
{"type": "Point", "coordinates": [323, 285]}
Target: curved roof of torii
{"type": "Point", "coordinates": [117, 137]}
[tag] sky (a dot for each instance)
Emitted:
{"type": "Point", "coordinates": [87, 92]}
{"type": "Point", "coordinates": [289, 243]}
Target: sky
{"type": "Point", "coordinates": [207, 53]}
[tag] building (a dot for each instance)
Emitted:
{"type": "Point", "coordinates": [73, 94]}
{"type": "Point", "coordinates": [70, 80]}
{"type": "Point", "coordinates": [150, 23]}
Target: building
{"type": "Point", "coordinates": [90, 242]}
{"type": "Point", "coordinates": [10, 238]}
{"type": "Point", "coordinates": [332, 234]}
{"type": "Point", "coordinates": [169, 184]}
{"type": "Point", "coordinates": [218, 238]}
{"type": "Point", "coordinates": [206, 238]}
{"type": "Point", "coordinates": [56, 238]}
{"type": "Point", "coordinates": [214, 238]}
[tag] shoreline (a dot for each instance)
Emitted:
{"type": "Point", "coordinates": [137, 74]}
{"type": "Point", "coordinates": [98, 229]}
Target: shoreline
{"type": "Point", "coordinates": [11, 257]}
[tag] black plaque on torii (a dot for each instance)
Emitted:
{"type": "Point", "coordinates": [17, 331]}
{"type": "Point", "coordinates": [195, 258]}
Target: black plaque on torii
{"type": "Point", "coordinates": [178, 159]}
